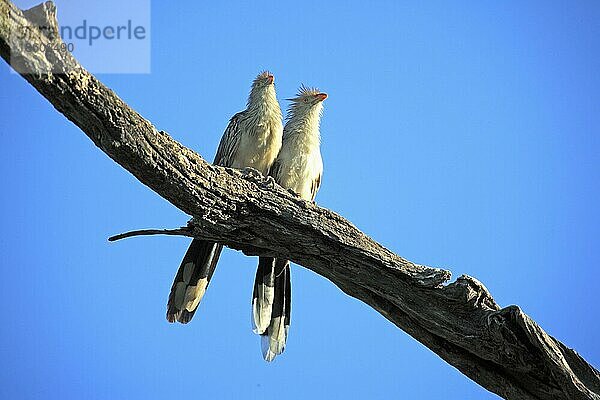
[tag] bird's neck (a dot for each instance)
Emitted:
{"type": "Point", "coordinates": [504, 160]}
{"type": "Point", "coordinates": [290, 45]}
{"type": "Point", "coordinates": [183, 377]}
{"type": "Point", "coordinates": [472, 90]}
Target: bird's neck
{"type": "Point", "coordinates": [263, 104]}
{"type": "Point", "coordinates": [303, 125]}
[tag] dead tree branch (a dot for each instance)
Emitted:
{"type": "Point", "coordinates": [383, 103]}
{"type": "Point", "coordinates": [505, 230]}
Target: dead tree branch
{"type": "Point", "coordinates": [502, 349]}
{"type": "Point", "coordinates": [183, 231]}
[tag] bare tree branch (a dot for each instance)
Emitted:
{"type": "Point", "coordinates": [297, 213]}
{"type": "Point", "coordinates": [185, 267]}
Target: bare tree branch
{"type": "Point", "coordinates": [183, 231]}
{"type": "Point", "coordinates": [502, 349]}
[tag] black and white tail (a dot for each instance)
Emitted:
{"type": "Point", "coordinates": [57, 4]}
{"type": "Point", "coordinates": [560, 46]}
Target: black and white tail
{"type": "Point", "coordinates": [273, 339]}
{"type": "Point", "coordinates": [263, 294]}
{"type": "Point", "coordinates": [192, 280]}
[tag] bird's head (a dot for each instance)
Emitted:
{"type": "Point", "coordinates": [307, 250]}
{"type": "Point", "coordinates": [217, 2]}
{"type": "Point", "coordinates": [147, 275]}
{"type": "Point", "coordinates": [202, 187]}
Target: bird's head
{"type": "Point", "coordinates": [304, 113]}
{"type": "Point", "coordinates": [263, 80]}
{"type": "Point", "coordinates": [308, 98]}
{"type": "Point", "coordinates": [262, 96]}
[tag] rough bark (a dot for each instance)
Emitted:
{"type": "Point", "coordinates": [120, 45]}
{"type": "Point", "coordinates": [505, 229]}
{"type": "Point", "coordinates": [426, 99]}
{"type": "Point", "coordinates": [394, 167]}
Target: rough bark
{"type": "Point", "coordinates": [501, 349]}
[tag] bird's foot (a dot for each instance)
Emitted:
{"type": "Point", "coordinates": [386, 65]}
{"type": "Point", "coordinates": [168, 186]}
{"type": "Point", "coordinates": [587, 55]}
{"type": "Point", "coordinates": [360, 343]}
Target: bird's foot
{"type": "Point", "coordinates": [252, 173]}
{"type": "Point", "coordinates": [270, 182]}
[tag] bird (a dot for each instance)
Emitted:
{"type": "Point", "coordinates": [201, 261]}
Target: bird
{"type": "Point", "coordinates": [252, 139]}
{"type": "Point", "coordinates": [298, 167]}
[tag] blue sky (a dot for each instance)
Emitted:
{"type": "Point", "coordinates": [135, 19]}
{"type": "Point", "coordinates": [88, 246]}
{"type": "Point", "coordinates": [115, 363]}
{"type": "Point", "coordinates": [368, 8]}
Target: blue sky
{"type": "Point", "coordinates": [462, 136]}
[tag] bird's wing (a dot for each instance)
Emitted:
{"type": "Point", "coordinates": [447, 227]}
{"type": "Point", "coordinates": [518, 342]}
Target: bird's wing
{"type": "Point", "coordinates": [275, 169]}
{"type": "Point", "coordinates": [230, 142]}
{"type": "Point", "coordinates": [316, 182]}
{"type": "Point", "coordinates": [314, 186]}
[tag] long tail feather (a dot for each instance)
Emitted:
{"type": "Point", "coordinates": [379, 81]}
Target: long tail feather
{"type": "Point", "coordinates": [262, 296]}
{"type": "Point", "coordinates": [273, 341]}
{"type": "Point", "coordinates": [192, 279]}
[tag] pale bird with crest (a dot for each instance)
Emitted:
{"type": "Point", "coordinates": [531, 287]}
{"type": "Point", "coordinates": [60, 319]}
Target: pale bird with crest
{"type": "Point", "coordinates": [252, 139]}
{"type": "Point", "coordinates": [298, 167]}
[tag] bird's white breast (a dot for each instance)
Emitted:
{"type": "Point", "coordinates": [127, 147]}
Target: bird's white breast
{"type": "Point", "coordinates": [300, 164]}
{"type": "Point", "coordinates": [259, 146]}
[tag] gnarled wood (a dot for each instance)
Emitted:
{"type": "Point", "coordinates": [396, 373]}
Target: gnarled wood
{"type": "Point", "coordinates": [502, 349]}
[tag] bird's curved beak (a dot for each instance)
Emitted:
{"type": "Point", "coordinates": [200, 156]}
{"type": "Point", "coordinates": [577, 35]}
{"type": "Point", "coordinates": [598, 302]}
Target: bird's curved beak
{"type": "Point", "coordinates": [321, 96]}
{"type": "Point", "coordinates": [270, 79]}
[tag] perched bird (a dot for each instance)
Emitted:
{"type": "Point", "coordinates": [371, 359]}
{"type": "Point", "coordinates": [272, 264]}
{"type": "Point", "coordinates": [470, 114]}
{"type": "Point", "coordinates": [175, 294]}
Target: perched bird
{"type": "Point", "coordinates": [298, 167]}
{"type": "Point", "coordinates": [253, 139]}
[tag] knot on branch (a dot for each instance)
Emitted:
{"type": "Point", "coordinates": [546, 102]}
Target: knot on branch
{"type": "Point", "coordinates": [469, 290]}
{"type": "Point", "coordinates": [512, 344]}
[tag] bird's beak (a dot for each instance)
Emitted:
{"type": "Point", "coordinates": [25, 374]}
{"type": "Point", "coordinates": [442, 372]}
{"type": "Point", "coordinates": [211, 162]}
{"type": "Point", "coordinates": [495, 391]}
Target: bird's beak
{"type": "Point", "coordinates": [270, 79]}
{"type": "Point", "coordinates": [321, 96]}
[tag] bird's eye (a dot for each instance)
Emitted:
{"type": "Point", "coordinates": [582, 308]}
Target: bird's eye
{"type": "Point", "coordinates": [306, 100]}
